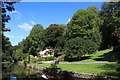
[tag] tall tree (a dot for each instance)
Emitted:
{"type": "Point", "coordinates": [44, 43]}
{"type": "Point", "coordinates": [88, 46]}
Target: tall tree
{"type": "Point", "coordinates": [25, 45]}
{"type": "Point", "coordinates": [111, 15]}
{"type": "Point", "coordinates": [36, 39]}
{"type": "Point", "coordinates": [85, 24]}
{"type": "Point", "coordinates": [53, 34]}
{"type": "Point", "coordinates": [5, 6]}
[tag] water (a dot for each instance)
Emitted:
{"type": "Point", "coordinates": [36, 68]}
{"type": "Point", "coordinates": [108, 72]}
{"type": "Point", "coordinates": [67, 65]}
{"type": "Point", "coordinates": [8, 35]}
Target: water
{"type": "Point", "coordinates": [16, 71]}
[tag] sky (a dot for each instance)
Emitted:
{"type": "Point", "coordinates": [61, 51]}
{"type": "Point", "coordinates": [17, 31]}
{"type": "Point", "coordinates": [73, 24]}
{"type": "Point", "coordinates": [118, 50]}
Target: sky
{"type": "Point", "coordinates": [28, 14]}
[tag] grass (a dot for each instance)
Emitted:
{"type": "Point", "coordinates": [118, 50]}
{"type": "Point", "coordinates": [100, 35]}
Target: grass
{"type": "Point", "coordinates": [101, 68]}
{"type": "Point", "coordinates": [84, 68]}
{"type": "Point", "coordinates": [109, 69]}
{"type": "Point", "coordinates": [92, 57]}
{"type": "Point", "coordinates": [5, 62]}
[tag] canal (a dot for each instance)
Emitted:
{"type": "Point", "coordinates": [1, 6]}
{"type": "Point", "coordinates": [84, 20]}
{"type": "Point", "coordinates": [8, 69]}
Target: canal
{"type": "Point", "coordinates": [15, 71]}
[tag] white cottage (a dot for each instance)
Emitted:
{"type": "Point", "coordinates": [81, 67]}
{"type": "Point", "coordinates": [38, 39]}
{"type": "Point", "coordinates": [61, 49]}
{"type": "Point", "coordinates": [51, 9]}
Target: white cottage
{"type": "Point", "coordinates": [46, 53]}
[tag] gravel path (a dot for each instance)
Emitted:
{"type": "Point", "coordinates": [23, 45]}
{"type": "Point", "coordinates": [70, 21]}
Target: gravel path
{"type": "Point", "coordinates": [75, 62]}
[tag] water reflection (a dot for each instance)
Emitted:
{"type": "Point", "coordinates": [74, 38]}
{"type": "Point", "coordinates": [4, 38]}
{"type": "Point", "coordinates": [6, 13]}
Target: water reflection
{"type": "Point", "coordinates": [16, 71]}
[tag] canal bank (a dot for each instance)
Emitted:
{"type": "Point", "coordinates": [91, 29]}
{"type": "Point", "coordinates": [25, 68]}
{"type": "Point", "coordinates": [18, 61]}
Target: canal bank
{"type": "Point", "coordinates": [71, 75]}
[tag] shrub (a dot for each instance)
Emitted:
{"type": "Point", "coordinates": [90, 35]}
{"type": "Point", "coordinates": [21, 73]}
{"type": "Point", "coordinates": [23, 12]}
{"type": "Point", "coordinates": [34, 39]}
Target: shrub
{"type": "Point", "coordinates": [41, 59]}
{"type": "Point", "coordinates": [46, 58]}
{"type": "Point", "coordinates": [78, 47]}
{"type": "Point", "coordinates": [49, 58]}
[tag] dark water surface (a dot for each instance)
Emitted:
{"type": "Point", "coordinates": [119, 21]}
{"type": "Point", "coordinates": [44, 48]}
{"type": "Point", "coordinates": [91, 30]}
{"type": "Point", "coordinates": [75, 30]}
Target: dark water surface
{"type": "Point", "coordinates": [16, 71]}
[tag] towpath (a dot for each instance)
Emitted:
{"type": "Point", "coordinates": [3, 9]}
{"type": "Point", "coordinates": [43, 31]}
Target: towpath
{"type": "Point", "coordinates": [75, 62]}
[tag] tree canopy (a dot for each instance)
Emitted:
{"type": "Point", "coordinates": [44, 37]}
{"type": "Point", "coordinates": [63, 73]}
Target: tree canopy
{"type": "Point", "coordinates": [78, 46]}
{"type": "Point", "coordinates": [53, 34]}
{"type": "Point", "coordinates": [110, 14]}
{"type": "Point", "coordinates": [85, 24]}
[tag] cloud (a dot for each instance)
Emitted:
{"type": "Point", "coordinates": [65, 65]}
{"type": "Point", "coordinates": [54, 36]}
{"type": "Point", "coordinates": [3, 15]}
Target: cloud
{"type": "Point", "coordinates": [10, 36]}
{"type": "Point", "coordinates": [68, 21]}
{"type": "Point", "coordinates": [32, 22]}
{"type": "Point", "coordinates": [17, 12]}
{"type": "Point", "coordinates": [25, 26]}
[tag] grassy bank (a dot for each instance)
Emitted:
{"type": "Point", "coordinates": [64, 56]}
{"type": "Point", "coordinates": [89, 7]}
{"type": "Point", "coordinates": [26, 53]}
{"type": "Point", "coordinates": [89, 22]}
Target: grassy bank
{"type": "Point", "coordinates": [96, 57]}
{"type": "Point", "coordinates": [109, 69]}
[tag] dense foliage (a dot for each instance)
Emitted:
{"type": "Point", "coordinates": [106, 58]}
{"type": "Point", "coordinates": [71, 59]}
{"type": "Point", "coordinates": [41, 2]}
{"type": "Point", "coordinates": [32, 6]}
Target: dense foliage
{"type": "Point", "coordinates": [110, 13]}
{"type": "Point", "coordinates": [78, 47]}
{"type": "Point", "coordinates": [6, 6]}
{"type": "Point", "coordinates": [6, 44]}
{"type": "Point", "coordinates": [116, 39]}
{"type": "Point", "coordinates": [47, 58]}
{"type": "Point", "coordinates": [85, 24]}
{"type": "Point", "coordinates": [53, 34]}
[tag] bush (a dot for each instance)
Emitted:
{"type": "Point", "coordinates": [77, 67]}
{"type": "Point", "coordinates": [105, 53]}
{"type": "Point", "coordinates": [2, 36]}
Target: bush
{"type": "Point", "coordinates": [49, 58]}
{"type": "Point", "coordinates": [60, 53]}
{"type": "Point", "coordinates": [46, 58]}
{"type": "Point", "coordinates": [41, 59]}
{"type": "Point", "coordinates": [78, 47]}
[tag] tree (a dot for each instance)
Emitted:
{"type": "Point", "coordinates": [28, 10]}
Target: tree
{"type": "Point", "coordinates": [75, 48]}
{"type": "Point", "coordinates": [37, 37]}
{"type": "Point", "coordinates": [18, 55]}
{"type": "Point", "coordinates": [6, 43]}
{"type": "Point", "coordinates": [25, 45]}
{"type": "Point", "coordinates": [110, 15]}
{"type": "Point", "coordinates": [85, 24]}
{"type": "Point", "coordinates": [6, 6]}
{"type": "Point", "coordinates": [6, 50]}
{"type": "Point", "coordinates": [61, 41]}
{"type": "Point", "coordinates": [53, 34]}
{"type": "Point", "coordinates": [116, 39]}
{"type": "Point", "coordinates": [35, 41]}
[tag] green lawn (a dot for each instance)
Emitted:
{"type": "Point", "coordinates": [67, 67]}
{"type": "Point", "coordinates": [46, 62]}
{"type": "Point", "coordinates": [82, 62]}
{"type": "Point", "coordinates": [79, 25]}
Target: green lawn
{"type": "Point", "coordinates": [110, 69]}
{"type": "Point", "coordinates": [92, 57]}
{"type": "Point", "coordinates": [101, 68]}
